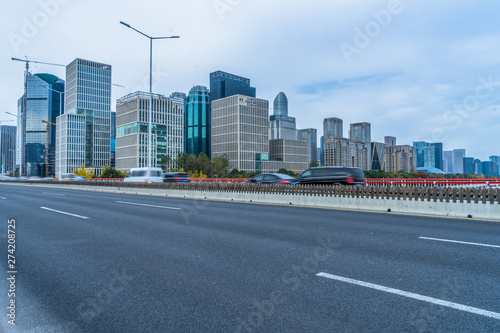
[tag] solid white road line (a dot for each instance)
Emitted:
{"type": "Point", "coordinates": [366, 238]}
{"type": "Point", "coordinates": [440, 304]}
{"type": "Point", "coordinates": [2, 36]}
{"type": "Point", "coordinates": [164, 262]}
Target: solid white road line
{"type": "Point", "coordinates": [139, 204]}
{"type": "Point", "coordinates": [61, 212]}
{"type": "Point", "coordinates": [62, 195]}
{"type": "Point", "coordinates": [3, 198]}
{"type": "Point", "coordinates": [423, 298]}
{"type": "Point", "coordinates": [459, 242]}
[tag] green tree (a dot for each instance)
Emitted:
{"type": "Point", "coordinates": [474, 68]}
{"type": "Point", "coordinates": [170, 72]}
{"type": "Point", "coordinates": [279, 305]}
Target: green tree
{"type": "Point", "coordinates": [181, 160]}
{"type": "Point", "coordinates": [203, 163]}
{"type": "Point", "coordinates": [165, 162]}
{"type": "Point", "coordinates": [220, 166]}
{"type": "Point", "coordinates": [110, 172]}
{"type": "Point", "coordinates": [314, 163]}
{"type": "Point", "coordinates": [191, 163]}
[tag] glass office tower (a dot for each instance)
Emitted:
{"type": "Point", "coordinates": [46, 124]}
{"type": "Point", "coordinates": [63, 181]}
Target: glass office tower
{"type": "Point", "coordinates": [85, 129]}
{"type": "Point", "coordinates": [281, 126]}
{"type": "Point", "coordinates": [197, 121]}
{"type": "Point", "coordinates": [429, 154]}
{"type": "Point", "coordinates": [7, 149]}
{"type": "Point", "coordinates": [44, 94]}
{"type": "Point", "coordinates": [223, 85]}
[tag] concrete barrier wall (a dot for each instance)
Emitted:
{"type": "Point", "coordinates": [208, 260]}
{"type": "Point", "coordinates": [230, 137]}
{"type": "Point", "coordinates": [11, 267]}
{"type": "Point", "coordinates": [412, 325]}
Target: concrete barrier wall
{"type": "Point", "coordinates": [402, 205]}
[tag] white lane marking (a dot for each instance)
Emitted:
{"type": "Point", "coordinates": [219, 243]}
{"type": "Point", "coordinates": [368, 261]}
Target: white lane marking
{"type": "Point", "coordinates": [3, 198]}
{"type": "Point", "coordinates": [62, 195]}
{"type": "Point", "coordinates": [61, 212]}
{"type": "Point", "coordinates": [419, 297]}
{"type": "Point", "coordinates": [459, 242]}
{"type": "Point", "coordinates": [139, 204]}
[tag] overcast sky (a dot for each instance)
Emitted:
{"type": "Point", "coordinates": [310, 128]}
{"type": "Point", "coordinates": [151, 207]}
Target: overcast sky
{"type": "Point", "coordinates": [417, 70]}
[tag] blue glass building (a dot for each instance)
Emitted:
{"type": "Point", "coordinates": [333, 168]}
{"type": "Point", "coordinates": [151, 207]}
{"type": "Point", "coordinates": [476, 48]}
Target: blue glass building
{"type": "Point", "coordinates": [282, 126]}
{"type": "Point", "coordinates": [44, 95]}
{"type": "Point", "coordinates": [429, 154]}
{"type": "Point", "coordinates": [223, 84]}
{"type": "Point", "coordinates": [469, 168]}
{"type": "Point", "coordinates": [197, 121]}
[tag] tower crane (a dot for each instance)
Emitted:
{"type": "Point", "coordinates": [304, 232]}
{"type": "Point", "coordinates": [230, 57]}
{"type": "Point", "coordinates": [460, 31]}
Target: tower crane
{"type": "Point", "coordinates": [23, 113]}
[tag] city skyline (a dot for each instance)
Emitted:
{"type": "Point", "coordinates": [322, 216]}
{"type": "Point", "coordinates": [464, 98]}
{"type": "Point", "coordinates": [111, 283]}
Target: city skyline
{"type": "Point", "coordinates": [405, 76]}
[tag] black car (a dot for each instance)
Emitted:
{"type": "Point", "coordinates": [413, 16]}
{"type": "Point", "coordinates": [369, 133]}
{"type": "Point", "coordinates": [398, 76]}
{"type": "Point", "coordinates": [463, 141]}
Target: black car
{"type": "Point", "coordinates": [278, 178]}
{"type": "Point", "coordinates": [332, 175]}
{"type": "Point", "coordinates": [176, 177]}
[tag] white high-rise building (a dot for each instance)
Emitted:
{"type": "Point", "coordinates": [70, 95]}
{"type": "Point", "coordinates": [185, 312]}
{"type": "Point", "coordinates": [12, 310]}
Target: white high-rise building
{"type": "Point", "coordinates": [84, 130]}
{"type": "Point", "coordinates": [167, 131]}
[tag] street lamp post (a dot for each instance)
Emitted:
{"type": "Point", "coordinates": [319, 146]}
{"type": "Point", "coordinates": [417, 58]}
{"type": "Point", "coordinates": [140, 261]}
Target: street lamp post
{"type": "Point", "coordinates": [60, 135]}
{"type": "Point", "coordinates": [150, 113]}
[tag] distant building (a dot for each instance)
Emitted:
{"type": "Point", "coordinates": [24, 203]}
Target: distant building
{"type": "Point", "coordinates": [332, 128]}
{"type": "Point", "coordinates": [458, 160]}
{"type": "Point", "coordinates": [282, 126]}
{"type": "Point", "coordinates": [429, 154]}
{"type": "Point", "coordinates": [224, 85]}
{"type": "Point", "coordinates": [84, 130]}
{"type": "Point", "coordinates": [478, 168]}
{"type": "Point", "coordinates": [377, 156]}
{"type": "Point", "coordinates": [197, 118]}
{"type": "Point", "coordinates": [240, 130]}
{"type": "Point", "coordinates": [288, 154]}
{"type": "Point", "coordinates": [311, 136]}
{"type": "Point", "coordinates": [112, 162]}
{"type": "Point", "coordinates": [489, 168]}
{"type": "Point", "coordinates": [347, 153]}
{"type": "Point", "coordinates": [400, 157]}
{"type": "Point", "coordinates": [496, 159]}
{"type": "Point", "coordinates": [468, 167]}
{"type": "Point", "coordinates": [390, 140]}
{"type": "Point", "coordinates": [319, 154]}
{"type": "Point", "coordinates": [7, 149]}
{"type": "Point", "coordinates": [448, 161]}
{"type": "Point", "coordinates": [132, 129]}
{"type": "Point", "coordinates": [44, 93]}
{"type": "Point", "coordinates": [360, 132]}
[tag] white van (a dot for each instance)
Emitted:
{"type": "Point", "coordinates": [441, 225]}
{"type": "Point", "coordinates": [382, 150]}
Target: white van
{"type": "Point", "coordinates": [144, 175]}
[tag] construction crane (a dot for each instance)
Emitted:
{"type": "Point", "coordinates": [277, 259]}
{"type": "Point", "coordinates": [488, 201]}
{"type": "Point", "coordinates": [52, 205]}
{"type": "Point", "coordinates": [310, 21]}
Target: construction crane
{"type": "Point", "coordinates": [47, 146]}
{"type": "Point", "coordinates": [23, 113]}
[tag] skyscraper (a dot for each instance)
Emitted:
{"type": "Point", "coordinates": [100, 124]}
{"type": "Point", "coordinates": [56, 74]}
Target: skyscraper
{"type": "Point", "coordinates": [112, 161]}
{"type": "Point", "coordinates": [332, 128]}
{"type": "Point", "coordinates": [132, 131]}
{"type": "Point", "coordinates": [361, 132]}
{"type": "Point", "coordinates": [281, 126]}
{"type": "Point", "coordinates": [377, 155]}
{"type": "Point", "coordinates": [223, 85]}
{"type": "Point", "coordinates": [448, 161]}
{"type": "Point", "coordinates": [311, 136]}
{"type": "Point", "coordinates": [458, 160]}
{"type": "Point", "coordinates": [7, 148]}
{"type": "Point", "coordinates": [197, 121]}
{"type": "Point", "coordinates": [496, 159]}
{"type": "Point", "coordinates": [429, 154]}
{"type": "Point", "coordinates": [84, 131]}
{"type": "Point", "coordinates": [399, 158]}
{"type": "Point", "coordinates": [240, 130]}
{"type": "Point", "coordinates": [469, 168]}
{"type": "Point", "coordinates": [390, 140]}
{"type": "Point", "coordinates": [44, 93]}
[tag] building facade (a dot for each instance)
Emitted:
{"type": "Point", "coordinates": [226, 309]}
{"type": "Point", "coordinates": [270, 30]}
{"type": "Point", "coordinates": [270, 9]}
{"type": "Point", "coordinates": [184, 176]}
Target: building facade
{"type": "Point", "coordinates": [402, 157]}
{"type": "Point", "coordinates": [469, 168]}
{"type": "Point", "coordinates": [43, 103]}
{"type": "Point", "coordinates": [346, 153]}
{"type": "Point", "coordinates": [360, 132]}
{"type": "Point", "coordinates": [224, 84]}
{"type": "Point", "coordinates": [197, 124]}
{"type": "Point", "coordinates": [332, 128]}
{"type": "Point", "coordinates": [310, 135]}
{"type": "Point", "coordinates": [282, 126]}
{"type": "Point", "coordinates": [377, 151]}
{"type": "Point", "coordinates": [132, 130]}
{"type": "Point", "coordinates": [240, 130]}
{"type": "Point", "coordinates": [292, 152]}
{"type": "Point", "coordinates": [88, 102]}
{"type": "Point", "coordinates": [429, 154]}
{"type": "Point", "coordinates": [8, 149]}
{"type": "Point", "coordinates": [390, 140]}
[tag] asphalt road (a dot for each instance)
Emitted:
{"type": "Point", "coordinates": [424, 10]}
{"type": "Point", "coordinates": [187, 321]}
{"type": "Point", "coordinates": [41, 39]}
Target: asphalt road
{"type": "Point", "coordinates": [127, 263]}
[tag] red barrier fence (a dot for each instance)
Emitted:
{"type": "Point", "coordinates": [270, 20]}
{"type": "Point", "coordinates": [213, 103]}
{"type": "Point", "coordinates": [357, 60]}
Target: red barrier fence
{"type": "Point", "coordinates": [395, 181]}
